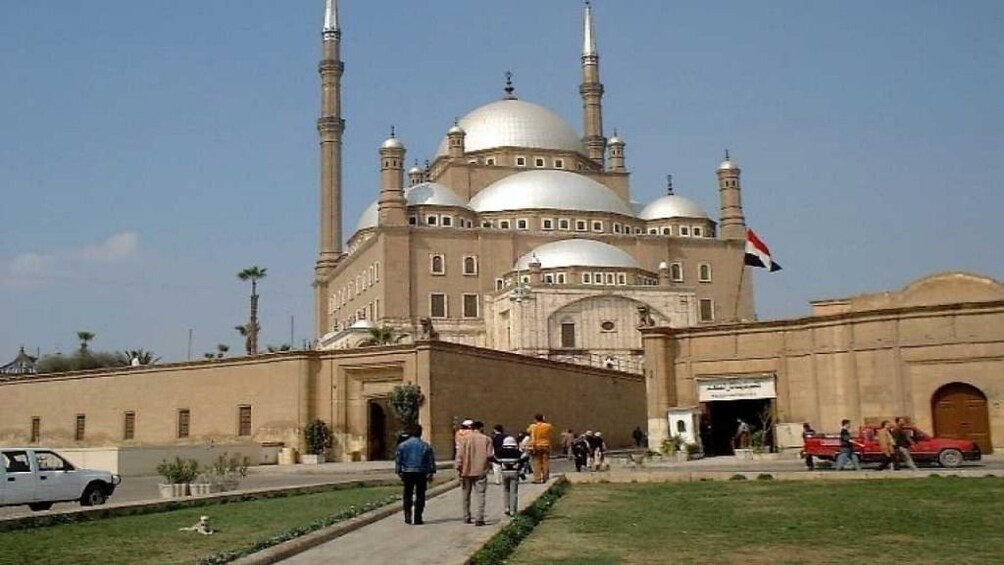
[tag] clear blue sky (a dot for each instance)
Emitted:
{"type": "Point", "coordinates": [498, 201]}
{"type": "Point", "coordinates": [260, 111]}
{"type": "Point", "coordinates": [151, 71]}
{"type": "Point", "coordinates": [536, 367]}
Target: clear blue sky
{"type": "Point", "coordinates": [151, 150]}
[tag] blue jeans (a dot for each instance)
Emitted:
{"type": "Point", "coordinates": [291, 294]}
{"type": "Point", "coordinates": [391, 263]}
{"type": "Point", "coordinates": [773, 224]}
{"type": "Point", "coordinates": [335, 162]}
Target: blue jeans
{"type": "Point", "coordinates": [848, 455]}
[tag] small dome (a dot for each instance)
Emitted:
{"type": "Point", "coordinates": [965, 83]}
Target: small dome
{"type": "Point", "coordinates": [392, 143]}
{"type": "Point", "coordinates": [515, 123]}
{"type": "Point", "coordinates": [363, 324]}
{"type": "Point", "coordinates": [615, 141]}
{"type": "Point", "coordinates": [559, 190]}
{"type": "Point", "coordinates": [728, 164]}
{"type": "Point", "coordinates": [577, 253]}
{"type": "Point", "coordinates": [673, 206]}
{"type": "Point", "coordinates": [455, 129]}
{"type": "Point", "coordinates": [422, 194]}
{"type": "Point", "coordinates": [415, 170]}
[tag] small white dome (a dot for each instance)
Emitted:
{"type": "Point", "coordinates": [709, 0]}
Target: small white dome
{"type": "Point", "coordinates": [615, 141]}
{"type": "Point", "coordinates": [577, 253]}
{"type": "Point", "coordinates": [422, 194]}
{"type": "Point", "coordinates": [414, 171]}
{"type": "Point", "coordinates": [728, 164]}
{"type": "Point", "coordinates": [673, 206]}
{"type": "Point", "coordinates": [550, 189]}
{"type": "Point", "coordinates": [515, 123]}
{"type": "Point", "coordinates": [455, 129]}
{"type": "Point", "coordinates": [363, 324]}
{"type": "Point", "coordinates": [392, 143]}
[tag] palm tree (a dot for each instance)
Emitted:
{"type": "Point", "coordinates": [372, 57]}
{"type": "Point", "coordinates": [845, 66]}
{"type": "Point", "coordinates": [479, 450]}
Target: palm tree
{"type": "Point", "coordinates": [253, 274]}
{"type": "Point", "coordinates": [381, 336]}
{"type": "Point", "coordinates": [84, 337]}
{"type": "Point", "coordinates": [222, 348]}
{"type": "Point", "coordinates": [144, 356]}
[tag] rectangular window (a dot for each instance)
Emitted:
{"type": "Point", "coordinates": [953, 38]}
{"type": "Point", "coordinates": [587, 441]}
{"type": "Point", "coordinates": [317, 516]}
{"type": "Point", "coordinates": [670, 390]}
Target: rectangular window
{"type": "Point", "coordinates": [437, 305]}
{"type": "Point", "coordinates": [559, 163]}
{"type": "Point", "coordinates": [470, 265]}
{"type": "Point", "coordinates": [80, 428]}
{"type": "Point", "coordinates": [622, 278]}
{"type": "Point", "coordinates": [499, 284]}
{"type": "Point", "coordinates": [471, 306]}
{"type": "Point", "coordinates": [617, 228]}
{"type": "Point", "coordinates": [431, 220]}
{"type": "Point", "coordinates": [522, 224]}
{"type": "Point", "coordinates": [560, 278]}
{"type": "Point", "coordinates": [610, 278]}
{"type": "Point", "coordinates": [587, 278]}
{"type": "Point", "coordinates": [184, 422]}
{"type": "Point", "coordinates": [568, 335]}
{"type": "Point", "coordinates": [707, 313]}
{"type": "Point", "coordinates": [676, 272]}
{"type": "Point", "coordinates": [36, 430]}
{"type": "Point", "coordinates": [129, 426]}
{"type": "Point", "coordinates": [684, 231]}
{"type": "Point", "coordinates": [580, 225]}
{"type": "Point", "coordinates": [538, 162]}
{"type": "Point", "coordinates": [548, 278]}
{"type": "Point", "coordinates": [597, 226]}
{"type": "Point", "coordinates": [520, 161]}
{"type": "Point", "coordinates": [563, 224]}
{"type": "Point", "coordinates": [376, 271]}
{"type": "Point", "coordinates": [704, 272]}
{"type": "Point", "coordinates": [696, 230]}
{"type": "Point", "coordinates": [667, 231]}
{"type": "Point", "coordinates": [547, 224]}
{"type": "Point", "coordinates": [504, 224]}
{"type": "Point", "coordinates": [446, 221]}
{"type": "Point", "coordinates": [597, 278]}
{"type": "Point", "coordinates": [413, 220]}
{"type": "Point", "coordinates": [244, 420]}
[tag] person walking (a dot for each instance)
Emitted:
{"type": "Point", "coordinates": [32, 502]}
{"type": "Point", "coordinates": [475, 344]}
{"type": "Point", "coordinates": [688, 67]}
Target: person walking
{"type": "Point", "coordinates": [638, 436]}
{"type": "Point", "coordinates": [463, 431]}
{"type": "Point", "coordinates": [510, 458]}
{"type": "Point", "coordinates": [567, 437]}
{"type": "Point", "coordinates": [887, 445]}
{"type": "Point", "coordinates": [743, 437]}
{"type": "Point", "coordinates": [807, 432]}
{"type": "Point", "coordinates": [415, 463]}
{"type": "Point", "coordinates": [599, 455]}
{"type": "Point", "coordinates": [847, 445]}
{"type": "Point", "coordinates": [591, 447]}
{"type": "Point", "coordinates": [523, 439]}
{"type": "Point", "coordinates": [473, 463]}
{"type": "Point", "coordinates": [540, 444]}
{"type": "Point", "coordinates": [580, 452]}
{"type": "Point", "coordinates": [901, 435]}
{"type": "Point", "coordinates": [498, 436]}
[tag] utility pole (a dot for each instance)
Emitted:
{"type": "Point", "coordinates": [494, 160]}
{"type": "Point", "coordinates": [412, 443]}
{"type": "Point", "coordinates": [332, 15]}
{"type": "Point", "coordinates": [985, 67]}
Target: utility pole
{"type": "Point", "coordinates": [189, 344]}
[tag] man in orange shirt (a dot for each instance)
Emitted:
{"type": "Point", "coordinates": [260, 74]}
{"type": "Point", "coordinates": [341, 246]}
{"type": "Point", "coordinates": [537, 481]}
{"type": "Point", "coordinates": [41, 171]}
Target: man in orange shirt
{"type": "Point", "coordinates": [540, 442]}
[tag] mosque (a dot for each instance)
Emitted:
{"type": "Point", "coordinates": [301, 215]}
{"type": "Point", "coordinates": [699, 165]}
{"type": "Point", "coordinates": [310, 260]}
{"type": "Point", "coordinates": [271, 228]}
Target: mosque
{"type": "Point", "coordinates": [521, 235]}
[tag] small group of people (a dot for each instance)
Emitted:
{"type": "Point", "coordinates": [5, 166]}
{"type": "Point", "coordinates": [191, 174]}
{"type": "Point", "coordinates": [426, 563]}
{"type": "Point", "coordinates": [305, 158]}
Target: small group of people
{"type": "Point", "coordinates": [894, 440]}
{"type": "Point", "coordinates": [588, 450]}
{"type": "Point", "coordinates": [477, 455]}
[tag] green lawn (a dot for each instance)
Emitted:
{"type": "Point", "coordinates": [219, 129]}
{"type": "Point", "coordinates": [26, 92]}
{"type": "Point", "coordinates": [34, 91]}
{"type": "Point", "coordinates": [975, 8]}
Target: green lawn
{"type": "Point", "coordinates": [154, 538]}
{"type": "Point", "coordinates": [925, 521]}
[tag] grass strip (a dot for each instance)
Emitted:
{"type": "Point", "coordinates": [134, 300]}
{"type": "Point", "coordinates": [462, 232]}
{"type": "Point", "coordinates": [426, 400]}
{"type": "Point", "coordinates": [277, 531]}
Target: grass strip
{"type": "Point", "coordinates": [502, 545]}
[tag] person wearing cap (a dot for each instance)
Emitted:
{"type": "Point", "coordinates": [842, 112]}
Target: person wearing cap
{"type": "Point", "coordinates": [473, 463]}
{"type": "Point", "coordinates": [540, 445]}
{"type": "Point", "coordinates": [510, 459]}
{"type": "Point", "coordinates": [464, 431]}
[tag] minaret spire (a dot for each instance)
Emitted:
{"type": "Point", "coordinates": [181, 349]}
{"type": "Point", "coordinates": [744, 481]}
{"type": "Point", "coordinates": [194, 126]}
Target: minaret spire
{"type": "Point", "coordinates": [591, 91]}
{"type": "Point", "coordinates": [330, 126]}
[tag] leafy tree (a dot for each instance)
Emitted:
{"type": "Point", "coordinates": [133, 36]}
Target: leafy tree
{"type": "Point", "coordinates": [253, 274]}
{"type": "Point", "coordinates": [85, 338]}
{"type": "Point", "coordinates": [221, 349]}
{"type": "Point", "coordinates": [406, 401]}
{"type": "Point", "coordinates": [144, 356]}
{"type": "Point", "coordinates": [382, 336]}
{"type": "Point", "coordinates": [318, 436]}
{"type": "Point", "coordinates": [278, 348]}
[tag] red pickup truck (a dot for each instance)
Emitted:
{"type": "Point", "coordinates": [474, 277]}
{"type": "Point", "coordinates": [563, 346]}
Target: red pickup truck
{"type": "Point", "coordinates": [925, 449]}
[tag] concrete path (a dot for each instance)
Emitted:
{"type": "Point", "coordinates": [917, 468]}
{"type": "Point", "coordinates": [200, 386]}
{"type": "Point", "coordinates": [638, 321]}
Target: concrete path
{"type": "Point", "coordinates": [443, 540]}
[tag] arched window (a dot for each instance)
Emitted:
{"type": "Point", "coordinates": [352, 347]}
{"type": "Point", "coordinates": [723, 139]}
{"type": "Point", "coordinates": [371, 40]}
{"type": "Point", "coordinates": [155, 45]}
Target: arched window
{"type": "Point", "coordinates": [704, 272]}
{"type": "Point", "coordinates": [438, 265]}
{"type": "Point", "coordinates": [470, 265]}
{"type": "Point", "coordinates": [676, 272]}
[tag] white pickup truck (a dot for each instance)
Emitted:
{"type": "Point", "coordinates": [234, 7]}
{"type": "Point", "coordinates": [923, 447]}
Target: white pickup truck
{"type": "Point", "coordinates": [41, 477]}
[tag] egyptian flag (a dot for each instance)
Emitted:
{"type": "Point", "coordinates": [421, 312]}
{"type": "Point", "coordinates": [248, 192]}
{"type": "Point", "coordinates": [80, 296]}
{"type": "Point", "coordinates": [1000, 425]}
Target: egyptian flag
{"type": "Point", "coordinates": [757, 253]}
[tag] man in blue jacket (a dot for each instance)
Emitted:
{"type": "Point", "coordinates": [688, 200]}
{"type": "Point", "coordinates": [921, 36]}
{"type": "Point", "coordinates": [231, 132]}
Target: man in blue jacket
{"type": "Point", "coordinates": [415, 464]}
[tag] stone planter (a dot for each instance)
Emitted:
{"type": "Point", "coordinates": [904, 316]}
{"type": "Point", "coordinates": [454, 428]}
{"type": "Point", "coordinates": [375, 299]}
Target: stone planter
{"type": "Point", "coordinates": [744, 454]}
{"type": "Point", "coordinates": [312, 459]}
{"type": "Point", "coordinates": [200, 489]}
{"type": "Point", "coordinates": [173, 490]}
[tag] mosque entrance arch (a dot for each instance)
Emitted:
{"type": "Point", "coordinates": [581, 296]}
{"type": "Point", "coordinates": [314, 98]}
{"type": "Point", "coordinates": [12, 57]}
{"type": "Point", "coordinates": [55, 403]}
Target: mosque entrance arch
{"type": "Point", "coordinates": [959, 411]}
{"type": "Point", "coordinates": [377, 429]}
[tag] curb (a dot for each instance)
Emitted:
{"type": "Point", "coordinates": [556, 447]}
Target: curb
{"type": "Point", "coordinates": [693, 476]}
{"type": "Point", "coordinates": [559, 481]}
{"type": "Point", "coordinates": [299, 545]}
{"type": "Point", "coordinates": [154, 506]}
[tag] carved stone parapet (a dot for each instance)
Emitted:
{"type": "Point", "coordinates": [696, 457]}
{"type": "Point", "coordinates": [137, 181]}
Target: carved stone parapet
{"type": "Point", "coordinates": [591, 88]}
{"type": "Point", "coordinates": [330, 124]}
{"type": "Point", "coordinates": [331, 66]}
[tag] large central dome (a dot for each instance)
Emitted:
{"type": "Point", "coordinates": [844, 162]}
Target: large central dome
{"type": "Point", "coordinates": [546, 189]}
{"type": "Point", "coordinates": [515, 123]}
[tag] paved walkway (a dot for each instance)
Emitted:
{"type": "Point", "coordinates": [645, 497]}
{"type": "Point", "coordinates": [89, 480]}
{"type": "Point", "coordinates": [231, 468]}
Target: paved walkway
{"type": "Point", "coordinates": [443, 540]}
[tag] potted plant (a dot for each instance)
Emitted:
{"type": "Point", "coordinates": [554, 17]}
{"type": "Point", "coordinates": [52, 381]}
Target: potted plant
{"type": "Point", "coordinates": [226, 472]}
{"type": "Point", "coordinates": [178, 474]}
{"type": "Point", "coordinates": [693, 451]}
{"type": "Point", "coordinates": [673, 446]}
{"type": "Point", "coordinates": [318, 436]}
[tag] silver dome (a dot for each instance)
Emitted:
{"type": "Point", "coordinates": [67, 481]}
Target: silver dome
{"type": "Point", "coordinates": [560, 190]}
{"type": "Point", "coordinates": [423, 194]}
{"type": "Point", "coordinates": [392, 143]}
{"type": "Point", "coordinates": [728, 164]}
{"type": "Point", "coordinates": [515, 123]}
{"type": "Point", "coordinates": [363, 324]}
{"type": "Point", "coordinates": [615, 141]}
{"type": "Point", "coordinates": [673, 206]}
{"type": "Point", "coordinates": [577, 253]}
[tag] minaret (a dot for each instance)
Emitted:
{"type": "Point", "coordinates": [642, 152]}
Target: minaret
{"type": "Point", "coordinates": [391, 205]}
{"type": "Point", "coordinates": [733, 223]}
{"type": "Point", "coordinates": [616, 147]}
{"type": "Point", "coordinates": [416, 175]}
{"type": "Point", "coordinates": [592, 93]}
{"type": "Point", "coordinates": [330, 127]}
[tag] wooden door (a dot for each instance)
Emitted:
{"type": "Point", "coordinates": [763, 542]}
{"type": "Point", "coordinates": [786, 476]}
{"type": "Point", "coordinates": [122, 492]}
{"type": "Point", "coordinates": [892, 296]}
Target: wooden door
{"type": "Point", "coordinates": [960, 412]}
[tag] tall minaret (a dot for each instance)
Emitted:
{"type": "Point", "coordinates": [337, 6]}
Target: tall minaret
{"type": "Point", "coordinates": [732, 222]}
{"type": "Point", "coordinates": [591, 90]}
{"type": "Point", "coordinates": [330, 127]}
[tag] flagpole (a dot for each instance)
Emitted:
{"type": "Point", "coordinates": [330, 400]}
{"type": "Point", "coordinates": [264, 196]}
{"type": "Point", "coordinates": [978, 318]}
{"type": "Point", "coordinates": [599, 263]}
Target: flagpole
{"type": "Point", "coordinates": [739, 290]}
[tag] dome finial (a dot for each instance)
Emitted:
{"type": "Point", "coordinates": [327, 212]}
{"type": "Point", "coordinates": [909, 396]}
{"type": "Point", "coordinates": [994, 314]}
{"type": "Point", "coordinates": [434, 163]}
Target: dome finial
{"type": "Point", "coordinates": [669, 185]}
{"type": "Point", "coordinates": [727, 158]}
{"type": "Point", "coordinates": [510, 90]}
{"type": "Point", "coordinates": [393, 134]}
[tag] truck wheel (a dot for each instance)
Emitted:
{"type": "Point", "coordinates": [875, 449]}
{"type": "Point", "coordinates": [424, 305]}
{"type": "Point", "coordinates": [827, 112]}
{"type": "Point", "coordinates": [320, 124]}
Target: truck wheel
{"type": "Point", "coordinates": [94, 495]}
{"type": "Point", "coordinates": [37, 506]}
{"type": "Point", "coordinates": [950, 458]}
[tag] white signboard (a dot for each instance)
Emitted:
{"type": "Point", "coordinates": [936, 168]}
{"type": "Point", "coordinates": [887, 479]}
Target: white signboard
{"type": "Point", "coordinates": [736, 388]}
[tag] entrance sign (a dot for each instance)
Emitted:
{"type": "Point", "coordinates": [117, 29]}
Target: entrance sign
{"type": "Point", "coordinates": [736, 388]}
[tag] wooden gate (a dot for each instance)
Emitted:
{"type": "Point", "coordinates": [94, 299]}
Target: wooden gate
{"type": "Point", "coordinates": [960, 412]}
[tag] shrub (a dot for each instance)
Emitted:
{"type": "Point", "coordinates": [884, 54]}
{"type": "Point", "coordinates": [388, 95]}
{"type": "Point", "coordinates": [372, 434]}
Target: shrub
{"type": "Point", "coordinates": [318, 436]}
{"type": "Point", "coordinates": [406, 401]}
{"type": "Point", "coordinates": [737, 477]}
{"type": "Point", "coordinates": [765, 477]}
{"type": "Point", "coordinates": [179, 471]}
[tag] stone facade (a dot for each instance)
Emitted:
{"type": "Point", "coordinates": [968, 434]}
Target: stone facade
{"type": "Point", "coordinates": [865, 358]}
{"type": "Point", "coordinates": [192, 404]}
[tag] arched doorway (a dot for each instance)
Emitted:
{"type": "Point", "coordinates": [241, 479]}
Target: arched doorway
{"type": "Point", "coordinates": [960, 411]}
{"type": "Point", "coordinates": [376, 433]}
